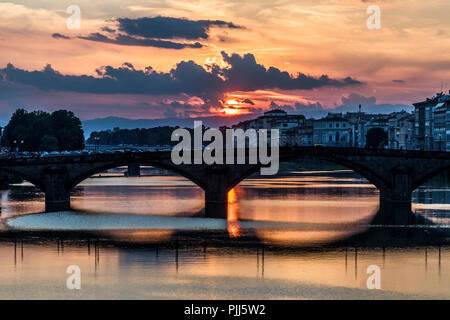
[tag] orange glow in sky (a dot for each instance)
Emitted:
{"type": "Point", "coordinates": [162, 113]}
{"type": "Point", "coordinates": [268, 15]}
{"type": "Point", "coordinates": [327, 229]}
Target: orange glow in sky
{"type": "Point", "coordinates": [230, 111]}
{"type": "Point", "coordinates": [310, 37]}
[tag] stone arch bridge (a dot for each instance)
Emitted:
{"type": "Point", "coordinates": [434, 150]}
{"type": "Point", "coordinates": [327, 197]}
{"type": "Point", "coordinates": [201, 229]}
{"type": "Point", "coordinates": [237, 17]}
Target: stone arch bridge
{"type": "Point", "coordinates": [396, 173]}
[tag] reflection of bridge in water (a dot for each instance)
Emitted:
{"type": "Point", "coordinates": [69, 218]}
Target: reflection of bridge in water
{"type": "Point", "coordinates": [175, 254]}
{"type": "Point", "coordinates": [396, 174]}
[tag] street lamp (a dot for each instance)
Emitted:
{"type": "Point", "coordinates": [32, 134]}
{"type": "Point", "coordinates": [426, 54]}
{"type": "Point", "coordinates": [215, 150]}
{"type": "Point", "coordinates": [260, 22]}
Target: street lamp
{"type": "Point", "coordinates": [97, 141]}
{"type": "Point", "coordinates": [17, 144]}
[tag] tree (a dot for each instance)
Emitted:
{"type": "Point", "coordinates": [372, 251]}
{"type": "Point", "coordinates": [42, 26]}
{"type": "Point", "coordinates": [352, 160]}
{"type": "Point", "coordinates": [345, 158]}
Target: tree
{"type": "Point", "coordinates": [49, 143]}
{"type": "Point", "coordinates": [16, 129]}
{"type": "Point", "coordinates": [32, 127]}
{"type": "Point", "coordinates": [376, 138]}
{"type": "Point", "coordinates": [68, 130]}
{"type": "Point", "coordinates": [140, 137]}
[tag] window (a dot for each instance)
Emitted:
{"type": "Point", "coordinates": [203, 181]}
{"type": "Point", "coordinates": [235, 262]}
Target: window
{"type": "Point", "coordinates": [331, 125]}
{"type": "Point", "coordinates": [337, 125]}
{"type": "Point", "coordinates": [330, 138]}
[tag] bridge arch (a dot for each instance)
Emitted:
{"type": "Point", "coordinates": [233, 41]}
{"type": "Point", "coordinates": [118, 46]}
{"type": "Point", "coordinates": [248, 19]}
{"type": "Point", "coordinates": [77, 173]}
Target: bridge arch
{"type": "Point", "coordinates": [416, 183]}
{"type": "Point", "coordinates": [379, 182]}
{"type": "Point", "coordinates": [31, 179]}
{"type": "Point", "coordinates": [74, 181]}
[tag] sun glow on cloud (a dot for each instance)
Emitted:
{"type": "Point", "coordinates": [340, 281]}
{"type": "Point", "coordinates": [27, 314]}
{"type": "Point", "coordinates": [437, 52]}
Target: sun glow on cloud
{"type": "Point", "coordinates": [235, 106]}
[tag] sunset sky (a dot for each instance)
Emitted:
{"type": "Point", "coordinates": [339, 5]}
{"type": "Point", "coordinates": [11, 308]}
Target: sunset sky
{"type": "Point", "coordinates": [157, 59]}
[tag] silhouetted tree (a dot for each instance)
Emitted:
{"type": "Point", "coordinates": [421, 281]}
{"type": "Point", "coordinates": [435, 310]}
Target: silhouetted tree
{"type": "Point", "coordinates": [376, 138]}
{"type": "Point", "coordinates": [32, 127]}
{"type": "Point", "coordinates": [68, 130]}
{"type": "Point", "coordinates": [49, 143]}
{"type": "Point", "coordinates": [140, 137]}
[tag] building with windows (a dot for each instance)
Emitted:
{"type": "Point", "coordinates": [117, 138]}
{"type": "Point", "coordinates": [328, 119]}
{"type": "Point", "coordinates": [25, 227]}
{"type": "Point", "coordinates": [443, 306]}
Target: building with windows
{"type": "Point", "coordinates": [430, 123]}
{"type": "Point", "coordinates": [332, 130]}
{"type": "Point", "coordinates": [401, 130]}
{"type": "Point", "coordinates": [292, 128]}
{"type": "Point", "coordinates": [441, 126]}
{"type": "Point", "coordinates": [350, 129]}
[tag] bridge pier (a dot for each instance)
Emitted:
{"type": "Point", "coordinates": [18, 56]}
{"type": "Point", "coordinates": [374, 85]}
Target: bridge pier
{"type": "Point", "coordinates": [395, 202]}
{"type": "Point", "coordinates": [57, 197]}
{"type": "Point", "coordinates": [216, 195]}
{"type": "Point", "coordinates": [394, 210]}
{"type": "Point", "coordinates": [216, 204]}
{"type": "Point", "coordinates": [134, 170]}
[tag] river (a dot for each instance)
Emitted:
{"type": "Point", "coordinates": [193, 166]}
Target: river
{"type": "Point", "coordinates": [285, 238]}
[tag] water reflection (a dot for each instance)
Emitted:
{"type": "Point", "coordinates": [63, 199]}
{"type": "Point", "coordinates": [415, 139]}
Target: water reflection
{"type": "Point", "coordinates": [294, 209]}
{"type": "Point", "coordinates": [140, 238]}
{"type": "Point", "coordinates": [234, 229]}
{"type": "Point", "coordinates": [37, 271]}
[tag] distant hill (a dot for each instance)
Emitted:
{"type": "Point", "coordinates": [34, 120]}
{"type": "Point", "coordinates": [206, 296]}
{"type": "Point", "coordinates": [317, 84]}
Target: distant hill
{"type": "Point", "coordinates": [124, 123]}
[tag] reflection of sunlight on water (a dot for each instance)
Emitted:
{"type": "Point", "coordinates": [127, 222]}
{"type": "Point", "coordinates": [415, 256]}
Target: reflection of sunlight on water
{"type": "Point", "coordinates": [322, 215]}
{"type": "Point", "coordinates": [151, 195]}
{"type": "Point", "coordinates": [137, 236]}
{"type": "Point", "coordinates": [432, 201]}
{"type": "Point", "coordinates": [21, 200]}
{"type": "Point", "coordinates": [306, 182]}
{"type": "Point", "coordinates": [232, 219]}
{"type": "Point", "coordinates": [110, 272]}
{"type": "Point", "coordinates": [263, 201]}
{"type": "Point", "coordinates": [255, 206]}
{"type": "Point", "coordinates": [287, 237]}
{"type": "Point", "coordinates": [431, 206]}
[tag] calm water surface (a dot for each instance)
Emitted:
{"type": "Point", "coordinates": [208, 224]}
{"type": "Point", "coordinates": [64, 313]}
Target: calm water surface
{"type": "Point", "coordinates": [281, 233]}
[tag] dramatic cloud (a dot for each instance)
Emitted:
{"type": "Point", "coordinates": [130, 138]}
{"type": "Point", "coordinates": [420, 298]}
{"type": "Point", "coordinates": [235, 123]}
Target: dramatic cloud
{"type": "Point", "coordinates": [132, 41]}
{"type": "Point", "coordinates": [247, 75]}
{"type": "Point", "coordinates": [59, 36]}
{"type": "Point", "coordinates": [368, 104]}
{"type": "Point", "coordinates": [348, 103]}
{"type": "Point", "coordinates": [154, 32]}
{"type": "Point", "coordinates": [310, 110]}
{"type": "Point", "coordinates": [356, 100]}
{"type": "Point", "coordinates": [170, 28]}
{"type": "Point", "coordinates": [242, 73]}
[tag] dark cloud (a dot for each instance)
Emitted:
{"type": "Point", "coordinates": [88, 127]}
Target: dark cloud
{"type": "Point", "coordinates": [155, 32]}
{"type": "Point", "coordinates": [247, 75]}
{"type": "Point", "coordinates": [368, 104]}
{"type": "Point", "coordinates": [125, 40]}
{"type": "Point", "coordinates": [59, 36]}
{"type": "Point", "coordinates": [108, 29]}
{"type": "Point", "coordinates": [187, 77]}
{"type": "Point", "coordinates": [170, 28]}
{"type": "Point", "coordinates": [398, 81]}
{"type": "Point", "coordinates": [349, 104]}
{"type": "Point", "coordinates": [356, 100]}
{"type": "Point", "coordinates": [310, 110]}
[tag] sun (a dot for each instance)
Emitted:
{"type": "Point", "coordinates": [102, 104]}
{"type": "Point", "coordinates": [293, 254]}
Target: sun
{"type": "Point", "coordinates": [230, 111]}
{"type": "Point", "coordinates": [231, 102]}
